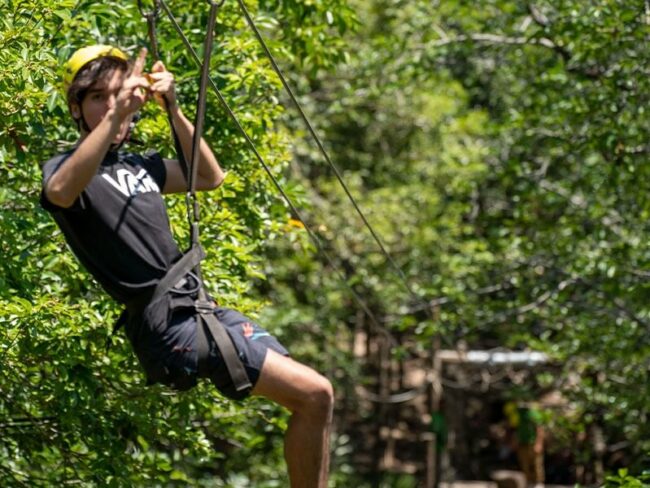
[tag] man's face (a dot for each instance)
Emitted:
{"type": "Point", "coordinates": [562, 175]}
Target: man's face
{"type": "Point", "coordinates": [99, 99]}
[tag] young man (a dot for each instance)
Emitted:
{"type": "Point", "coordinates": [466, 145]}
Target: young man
{"type": "Point", "coordinates": [108, 205]}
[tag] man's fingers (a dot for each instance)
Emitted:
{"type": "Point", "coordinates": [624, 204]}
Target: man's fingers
{"type": "Point", "coordinates": [158, 67]}
{"type": "Point", "coordinates": [133, 82]}
{"type": "Point", "coordinates": [161, 75]}
{"type": "Point", "coordinates": [138, 66]}
{"type": "Point", "coordinates": [160, 87]}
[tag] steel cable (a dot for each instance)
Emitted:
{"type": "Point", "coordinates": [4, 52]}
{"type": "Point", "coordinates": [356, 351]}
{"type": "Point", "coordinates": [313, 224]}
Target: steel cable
{"type": "Point", "coordinates": [313, 236]}
{"type": "Point", "coordinates": [276, 68]}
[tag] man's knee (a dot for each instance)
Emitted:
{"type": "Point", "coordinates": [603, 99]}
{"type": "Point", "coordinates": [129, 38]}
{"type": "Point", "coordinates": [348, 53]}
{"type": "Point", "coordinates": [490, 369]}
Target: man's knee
{"type": "Point", "coordinates": [296, 387]}
{"type": "Point", "coordinates": [318, 399]}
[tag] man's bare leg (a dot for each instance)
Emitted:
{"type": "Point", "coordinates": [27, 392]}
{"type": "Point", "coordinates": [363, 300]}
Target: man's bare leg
{"type": "Point", "coordinates": [310, 398]}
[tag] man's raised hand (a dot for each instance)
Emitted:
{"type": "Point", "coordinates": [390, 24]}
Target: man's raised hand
{"type": "Point", "coordinates": [162, 85]}
{"type": "Point", "coordinates": [135, 89]}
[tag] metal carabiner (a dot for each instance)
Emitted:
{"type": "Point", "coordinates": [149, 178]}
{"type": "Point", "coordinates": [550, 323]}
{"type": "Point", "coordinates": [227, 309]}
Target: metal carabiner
{"type": "Point", "coordinates": [151, 13]}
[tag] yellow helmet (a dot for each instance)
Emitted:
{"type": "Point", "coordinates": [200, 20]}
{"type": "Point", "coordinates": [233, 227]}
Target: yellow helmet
{"type": "Point", "coordinates": [85, 55]}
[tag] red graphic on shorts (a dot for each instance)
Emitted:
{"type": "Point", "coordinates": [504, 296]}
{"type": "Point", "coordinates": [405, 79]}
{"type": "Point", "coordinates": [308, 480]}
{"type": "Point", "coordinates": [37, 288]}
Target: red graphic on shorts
{"type": "Point", "coordinates": [248, 330]}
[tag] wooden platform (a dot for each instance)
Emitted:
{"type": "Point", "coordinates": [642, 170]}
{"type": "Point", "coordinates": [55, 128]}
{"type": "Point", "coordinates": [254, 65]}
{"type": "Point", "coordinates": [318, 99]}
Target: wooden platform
{"type": "Point", "coordinates": [469, 484]}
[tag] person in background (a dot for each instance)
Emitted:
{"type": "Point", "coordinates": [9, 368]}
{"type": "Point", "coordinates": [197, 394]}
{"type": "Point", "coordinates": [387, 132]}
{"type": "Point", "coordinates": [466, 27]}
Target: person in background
{"type": "Point", "coordinates": [526, 420]}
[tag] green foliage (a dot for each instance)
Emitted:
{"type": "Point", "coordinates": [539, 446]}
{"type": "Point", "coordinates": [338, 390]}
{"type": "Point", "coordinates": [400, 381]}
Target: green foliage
{"type": "Point", "coordinates": [73, 411]}
{"type": "Point", "coordinates": [498, 147]}
{"type": "Point", "coordinates": [624, 479]}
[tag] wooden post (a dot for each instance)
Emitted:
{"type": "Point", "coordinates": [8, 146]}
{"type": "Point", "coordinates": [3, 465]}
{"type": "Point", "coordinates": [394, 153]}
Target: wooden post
{"type": "Point", "coordinates": [358, 333]}
{"type": "Point", "coordinates": [434, 397]}
{"type": "Point", "coordinates": [437, 403]}
{"type": "Point", "coordinates": [384, 389]}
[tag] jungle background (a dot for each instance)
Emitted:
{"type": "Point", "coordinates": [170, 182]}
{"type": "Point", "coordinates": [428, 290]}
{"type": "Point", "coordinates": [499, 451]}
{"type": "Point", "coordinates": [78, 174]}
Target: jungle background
{"type": "Point", "coordinates": [498, 147]}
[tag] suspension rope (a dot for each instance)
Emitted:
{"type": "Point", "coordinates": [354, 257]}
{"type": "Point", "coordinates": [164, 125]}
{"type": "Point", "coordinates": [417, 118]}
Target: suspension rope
{"type": "Point", "coordinates": [400, 273]}
{"type": "Point", "coordinates": [151, 16]}
{"type": "Point", "coordinates": [199, 120]}
{"type": "Point", "coordinates": [315, 239]}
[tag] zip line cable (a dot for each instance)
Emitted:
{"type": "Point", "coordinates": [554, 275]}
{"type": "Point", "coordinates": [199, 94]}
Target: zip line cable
{"type": "Point", "coordinates": [400, 273]}
{"type": "Point", "coordinates": [276, 68]}
{"type": "Point", "coordinates": [419, 301]}
{"type": "Point", "coordinates": [315, 239]}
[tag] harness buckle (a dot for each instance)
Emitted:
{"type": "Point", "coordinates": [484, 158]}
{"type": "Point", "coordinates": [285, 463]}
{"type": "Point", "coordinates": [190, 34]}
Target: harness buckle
{"type": "Point", "coordinates": [204, 306]}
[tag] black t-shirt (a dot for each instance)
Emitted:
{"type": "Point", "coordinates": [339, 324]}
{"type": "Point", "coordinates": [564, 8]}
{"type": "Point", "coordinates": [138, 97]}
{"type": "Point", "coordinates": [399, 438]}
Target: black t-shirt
{"type": "Point", "coordinates": [118, 227]}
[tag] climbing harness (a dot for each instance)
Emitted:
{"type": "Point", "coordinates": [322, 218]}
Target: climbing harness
{"type": "Point", "coordinates": [189, 266]}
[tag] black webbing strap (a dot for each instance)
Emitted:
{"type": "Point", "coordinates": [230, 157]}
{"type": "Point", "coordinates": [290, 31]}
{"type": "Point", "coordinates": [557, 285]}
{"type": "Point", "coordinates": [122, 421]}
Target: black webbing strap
{"type": "Point", "coordinates": [204, 305]}
{"type": "Point", "coordinates": [217, 330]}
{"type": "Point", "coordinates": [190, 260]}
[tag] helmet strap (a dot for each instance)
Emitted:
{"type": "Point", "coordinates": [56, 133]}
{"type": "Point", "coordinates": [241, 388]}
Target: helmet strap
{"type": "Point", "coordinates": [82, 124]}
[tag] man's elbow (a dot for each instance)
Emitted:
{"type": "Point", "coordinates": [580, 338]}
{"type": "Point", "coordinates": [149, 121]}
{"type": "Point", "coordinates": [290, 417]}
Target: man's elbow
{"type": "Point", "coordinates": [59, 197]}
{"type": "Point", "coordinates": [211, 183]}
{"type": "Point", "coordinates": [218, 181]}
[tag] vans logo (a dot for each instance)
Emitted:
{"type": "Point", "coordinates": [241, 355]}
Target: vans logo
{"type": "Point", "coordinates": [130, 185]}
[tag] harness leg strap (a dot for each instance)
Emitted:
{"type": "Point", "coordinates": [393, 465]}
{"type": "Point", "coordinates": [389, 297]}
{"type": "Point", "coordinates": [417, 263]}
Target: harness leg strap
{"type": "Point", "coordinates": [217, 330]}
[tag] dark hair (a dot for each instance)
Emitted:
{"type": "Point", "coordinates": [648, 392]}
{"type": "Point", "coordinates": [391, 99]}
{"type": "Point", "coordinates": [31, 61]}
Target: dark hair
{"type": "Point", "coordinates": [92, 72]}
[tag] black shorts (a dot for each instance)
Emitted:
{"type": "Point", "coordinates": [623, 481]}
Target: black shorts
{"type": "Point", "coordinates": [251, 341]}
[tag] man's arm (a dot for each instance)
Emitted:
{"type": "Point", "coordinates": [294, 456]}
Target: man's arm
{"type": "Point", "coordinates": [209, 173]}
{"type": "Point", "coordinates": [65, 186]}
